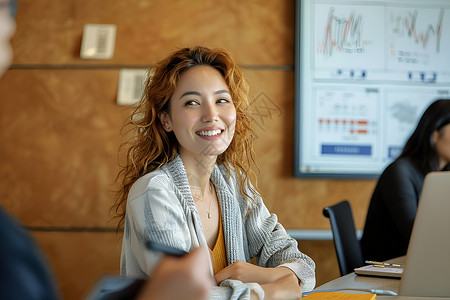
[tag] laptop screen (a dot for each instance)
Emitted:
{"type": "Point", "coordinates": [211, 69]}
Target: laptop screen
{"type": "Point", "coordinates": [427, 270]}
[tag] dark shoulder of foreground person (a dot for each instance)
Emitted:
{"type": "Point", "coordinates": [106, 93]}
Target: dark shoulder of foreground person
{"type": "Point", "coordinates": [24, 273]}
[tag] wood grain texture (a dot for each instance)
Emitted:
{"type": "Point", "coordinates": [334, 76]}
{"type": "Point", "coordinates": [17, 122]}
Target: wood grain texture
{"type": "Point", "coordinates": [79, 260]}
{"type": "Point", "coordinates": [60, 139]}
{"type": "Point", "coordinates": [49, 32]}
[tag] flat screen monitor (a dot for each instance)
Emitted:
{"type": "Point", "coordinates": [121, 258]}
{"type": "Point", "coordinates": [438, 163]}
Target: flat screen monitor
{"type": "Point", "coordinates": [364, 73]}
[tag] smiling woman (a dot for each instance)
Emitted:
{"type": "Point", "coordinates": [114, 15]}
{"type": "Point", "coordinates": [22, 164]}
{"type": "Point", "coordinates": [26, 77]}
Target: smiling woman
{"type": "Point", "coordinates": [202, 114]}
{"type": "Point", "coordinates": [187, 182]}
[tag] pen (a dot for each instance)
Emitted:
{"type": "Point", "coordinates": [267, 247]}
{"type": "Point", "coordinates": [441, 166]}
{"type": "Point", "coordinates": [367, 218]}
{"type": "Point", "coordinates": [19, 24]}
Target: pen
{"type": "Point", "coordinates": [377, 263]}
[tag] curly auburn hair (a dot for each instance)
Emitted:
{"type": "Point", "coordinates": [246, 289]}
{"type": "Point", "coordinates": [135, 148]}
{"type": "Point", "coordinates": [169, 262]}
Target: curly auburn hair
{"type": "Point", "coordinates": [153, 147]}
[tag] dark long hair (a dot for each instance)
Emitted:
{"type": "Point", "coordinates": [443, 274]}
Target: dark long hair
{"type": "Point", "coordinates": [420, 146]}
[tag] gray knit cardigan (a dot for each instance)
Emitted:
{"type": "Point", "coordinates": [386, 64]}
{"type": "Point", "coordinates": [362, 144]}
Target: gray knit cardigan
{"type": "Point", "coordinates": [160, 207]}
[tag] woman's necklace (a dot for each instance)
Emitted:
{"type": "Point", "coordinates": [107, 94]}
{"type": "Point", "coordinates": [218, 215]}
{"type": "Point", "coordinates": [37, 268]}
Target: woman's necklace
{"type": "Point", "coordinates": [208, 210]}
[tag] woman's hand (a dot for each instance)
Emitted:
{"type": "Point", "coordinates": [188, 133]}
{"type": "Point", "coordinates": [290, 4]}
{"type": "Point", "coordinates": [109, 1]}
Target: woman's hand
{"type": "Point", "coordinates": [285, 288]}
{"type": "Point", "coordinates": [188, 277]}
{"type": "Point", "coordinates": [247, 272]}
{"type": "Point", "coordinates": [278, 283]}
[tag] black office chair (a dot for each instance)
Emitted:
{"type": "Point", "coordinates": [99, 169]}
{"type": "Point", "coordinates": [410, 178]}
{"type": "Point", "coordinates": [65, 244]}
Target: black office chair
{"type": "Point", "coordinates": [348, 248]}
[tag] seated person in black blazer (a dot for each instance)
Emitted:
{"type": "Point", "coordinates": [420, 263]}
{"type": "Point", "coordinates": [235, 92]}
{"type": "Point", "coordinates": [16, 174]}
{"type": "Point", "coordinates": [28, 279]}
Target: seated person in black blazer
{"type": "Point", "coordinates": [394, 202]}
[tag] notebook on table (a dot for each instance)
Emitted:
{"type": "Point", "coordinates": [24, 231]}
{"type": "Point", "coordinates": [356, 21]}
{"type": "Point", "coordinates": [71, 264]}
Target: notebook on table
{"type": "Point", "coordinates": [427, 268]}
{"type": "Point", "coordinates": [380, 271]}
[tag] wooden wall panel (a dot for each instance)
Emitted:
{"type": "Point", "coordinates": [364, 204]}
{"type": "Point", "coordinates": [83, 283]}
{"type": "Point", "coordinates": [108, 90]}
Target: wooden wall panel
{"type": "Point", "coordinates": [255, 32]}
{"type": "Point", "coordinates": [60, 136]}
{"type": "Point", "coordinates": [323, 253]}
{"type": "Point", "coordinates": [79, 259]}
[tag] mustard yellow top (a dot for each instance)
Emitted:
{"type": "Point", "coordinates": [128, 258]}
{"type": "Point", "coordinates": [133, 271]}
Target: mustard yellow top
{"type": "Point", "coordinates": [218, 253]}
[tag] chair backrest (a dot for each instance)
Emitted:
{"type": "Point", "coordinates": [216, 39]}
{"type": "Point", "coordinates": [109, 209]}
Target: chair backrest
{"type": "Point", "coordinates": [348, 248]}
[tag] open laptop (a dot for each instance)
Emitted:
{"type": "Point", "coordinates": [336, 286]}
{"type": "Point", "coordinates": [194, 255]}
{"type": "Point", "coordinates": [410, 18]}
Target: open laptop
{"type": "Point", "coordinates": [427, 270]}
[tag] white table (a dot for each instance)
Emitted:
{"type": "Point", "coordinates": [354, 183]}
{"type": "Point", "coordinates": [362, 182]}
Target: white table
{"type": "Point", "coordinates": [352, 283]}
